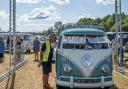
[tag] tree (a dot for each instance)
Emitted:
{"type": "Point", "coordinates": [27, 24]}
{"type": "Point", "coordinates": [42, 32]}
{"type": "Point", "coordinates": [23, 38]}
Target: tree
{"type": "Point", "coordinates": [48, 32]}
{"type": "Point", "coordinates": [86, 20]}
{"type": "Point", "coordinates": [108, 22]}
{"type": "Point", "coordinates": [98, 20]}
{"type": "Point", "coordinates": [58, 27]}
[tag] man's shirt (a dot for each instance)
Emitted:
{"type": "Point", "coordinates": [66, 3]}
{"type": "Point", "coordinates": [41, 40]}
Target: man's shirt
{"type": "Point", "coordinates": [43, 49]}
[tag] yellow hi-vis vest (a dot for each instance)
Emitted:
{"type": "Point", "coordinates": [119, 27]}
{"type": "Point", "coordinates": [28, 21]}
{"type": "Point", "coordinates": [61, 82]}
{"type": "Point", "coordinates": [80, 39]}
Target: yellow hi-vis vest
{"type": "Point", "coordinates": [47, 51]}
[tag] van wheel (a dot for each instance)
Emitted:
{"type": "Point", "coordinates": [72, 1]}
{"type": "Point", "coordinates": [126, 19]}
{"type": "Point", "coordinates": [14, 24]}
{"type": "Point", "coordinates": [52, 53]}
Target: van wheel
{"type": "Point", "coordinates": [28, 51]}
{"type": "Point", "coordinates": [58, 87]}
{"type": "Point", "coordinates": [107, 88]}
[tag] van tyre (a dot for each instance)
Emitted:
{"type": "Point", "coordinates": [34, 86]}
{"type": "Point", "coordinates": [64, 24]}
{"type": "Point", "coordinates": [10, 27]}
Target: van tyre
{"type": "Point", "coordinates": [28, 51]}
{"type": "Point", "coordinates": [59, 87]}
{"type": "Point", "coordinates": [107, 87]}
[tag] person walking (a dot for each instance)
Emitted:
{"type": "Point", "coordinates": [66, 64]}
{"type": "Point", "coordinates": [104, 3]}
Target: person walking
{"type": "Point", "coordinates": [18, 49]}
{"type": "Point", "coordinates": [2, 48]}
{"type": "Point", "coordinates": [46, 55]}
{"type": "Point", "coordinates": [36, 49]}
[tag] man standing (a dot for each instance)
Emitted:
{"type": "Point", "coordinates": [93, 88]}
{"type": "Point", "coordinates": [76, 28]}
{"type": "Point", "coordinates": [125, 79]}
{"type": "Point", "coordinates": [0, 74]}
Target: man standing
{"type": "Point", "coordinates": [18, 49]}
{"type": "Point", "coordinates": [46, 56]}
{"type": "Point", "coordinates": [36, 49]}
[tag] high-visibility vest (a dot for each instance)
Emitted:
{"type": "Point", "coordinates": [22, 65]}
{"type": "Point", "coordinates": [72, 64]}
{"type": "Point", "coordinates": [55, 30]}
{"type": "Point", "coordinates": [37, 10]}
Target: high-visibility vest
{"type": "Point", "coordinates": [47, 51]}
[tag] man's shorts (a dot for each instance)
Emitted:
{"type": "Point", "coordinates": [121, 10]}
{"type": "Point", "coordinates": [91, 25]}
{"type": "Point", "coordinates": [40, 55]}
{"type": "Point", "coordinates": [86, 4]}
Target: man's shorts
{"type": "Point", "coordinates": [47, 68]}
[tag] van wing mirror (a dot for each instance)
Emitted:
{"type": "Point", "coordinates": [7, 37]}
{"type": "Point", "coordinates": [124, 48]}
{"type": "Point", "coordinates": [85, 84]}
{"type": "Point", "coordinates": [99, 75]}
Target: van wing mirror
{"type": "Point", "coordinates": [60, 50]}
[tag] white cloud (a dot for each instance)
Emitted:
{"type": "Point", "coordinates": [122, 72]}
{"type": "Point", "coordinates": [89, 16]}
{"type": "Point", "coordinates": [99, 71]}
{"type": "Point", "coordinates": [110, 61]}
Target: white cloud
{"type": "Point", "coordinates": [42, 13]}
{"type": "Point", "coordinates": [85, 15]}
{"type": "Point", "coordinates": [28, 1]}
{"type": "Point", "coordinates": [4, 19]}
{"type": "Point", "coordinates": [24, 23]}
{"type": "Point", "coordinates": [3, 14]}
{"type": "Point", "coordinates": [39, 19]}
{"type": "Point", "coordinates": [60, 2]}
{"type": "Point", "coordinates": [105, 2]}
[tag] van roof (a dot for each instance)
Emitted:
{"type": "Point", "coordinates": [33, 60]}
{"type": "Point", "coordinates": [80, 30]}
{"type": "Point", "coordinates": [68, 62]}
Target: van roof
{"type": "Point", "coordinates": [82, 31]}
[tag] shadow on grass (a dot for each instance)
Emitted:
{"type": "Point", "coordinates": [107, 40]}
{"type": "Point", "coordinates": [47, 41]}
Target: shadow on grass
{"type": "Point", "coordinates": [28, 52]}
{"type": "Point", "coordinates": [1, 60]}
{"type": "Point", "coordinates": [8, 52]}
{"type": "Point", "coordinates": [113, 87]}
{"type": "Point", "coordinates": [125, 56]}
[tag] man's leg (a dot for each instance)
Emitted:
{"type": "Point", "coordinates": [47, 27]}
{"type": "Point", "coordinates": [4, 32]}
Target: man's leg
{"type": "Point", "coordinates": [45, 82]}
{"type": "Point", "coordinates": [47, 78]}
{"type": "Point", "coordinates": [35, 55]}
{"type": "Point", "coordinates": [44, 79]}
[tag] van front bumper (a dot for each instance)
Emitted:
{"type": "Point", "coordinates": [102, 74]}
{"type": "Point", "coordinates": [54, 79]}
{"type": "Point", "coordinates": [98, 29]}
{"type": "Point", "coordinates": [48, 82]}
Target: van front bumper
{"type": "Point", "coordinates": [73, 84]}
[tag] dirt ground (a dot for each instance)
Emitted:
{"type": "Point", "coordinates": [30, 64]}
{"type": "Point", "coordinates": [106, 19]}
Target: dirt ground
{"type": "Point", "coordinates": [5, 64]}
{"type": "Point", "coordinates": [30, 77]}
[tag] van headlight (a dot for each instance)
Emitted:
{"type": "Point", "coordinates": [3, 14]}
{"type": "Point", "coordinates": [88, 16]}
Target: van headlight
{"type": "Point", "coordinates": [67, 68]}
{"type": "Point", "coordinates": [105, 68]}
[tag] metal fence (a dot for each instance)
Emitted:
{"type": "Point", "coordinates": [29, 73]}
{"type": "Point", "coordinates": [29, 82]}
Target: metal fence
{"type": "Point", "coordinates": [19, 62]}
{"type": "Point", "coordinates": [11, 71]}
{"type": "Point", "coordinates": [19, 53]}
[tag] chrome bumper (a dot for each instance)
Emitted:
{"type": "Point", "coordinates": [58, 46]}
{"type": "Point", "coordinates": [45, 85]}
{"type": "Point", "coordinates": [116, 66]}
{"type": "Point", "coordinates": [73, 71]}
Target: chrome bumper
{"type": "Point", "coordinates": [73, 84]}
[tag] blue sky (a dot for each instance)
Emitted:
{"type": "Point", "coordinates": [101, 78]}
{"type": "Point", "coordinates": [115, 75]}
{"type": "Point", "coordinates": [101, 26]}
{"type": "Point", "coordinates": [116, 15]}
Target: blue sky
{"type": "Point", "coordinates": [38, 15]}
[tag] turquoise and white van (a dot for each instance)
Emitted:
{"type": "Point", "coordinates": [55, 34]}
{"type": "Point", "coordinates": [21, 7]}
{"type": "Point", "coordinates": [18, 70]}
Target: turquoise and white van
{"type": "Point", "coordinates": [84, 59]}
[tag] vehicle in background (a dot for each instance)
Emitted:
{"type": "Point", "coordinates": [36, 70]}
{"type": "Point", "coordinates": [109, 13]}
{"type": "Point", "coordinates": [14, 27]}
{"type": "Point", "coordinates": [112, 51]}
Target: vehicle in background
{"type": "Point", "coordinates": [84, 59]}
{"type": "Point", "coordinates": [26, 39]}
{"type": "Point", "coordinates": [112, 37]}
{"type": "Point", "coordinates": [27, 42]}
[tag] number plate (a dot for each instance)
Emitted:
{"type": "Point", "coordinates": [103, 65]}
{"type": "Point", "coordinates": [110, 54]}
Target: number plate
{"type": "Point", "coordinates": [86, 81]}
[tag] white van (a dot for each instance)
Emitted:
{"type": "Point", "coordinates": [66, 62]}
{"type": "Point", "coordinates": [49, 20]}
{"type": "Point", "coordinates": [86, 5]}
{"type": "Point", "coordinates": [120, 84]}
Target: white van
{"type": "Point", "coordinates": [28, 42]}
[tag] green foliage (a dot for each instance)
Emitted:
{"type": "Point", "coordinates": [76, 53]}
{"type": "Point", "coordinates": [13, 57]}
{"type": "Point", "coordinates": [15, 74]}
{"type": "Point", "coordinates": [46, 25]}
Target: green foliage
{"type": "Point", "coordinates": [108, 22]}
{"type": "Point", "coordinates": [87, 20]}
{"type": "Point", "coordinates": [125, 27]}
{"type": "Point", "coordinates": [48, 32]}
{"type": "Point", "coordinates": [58, 27]}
